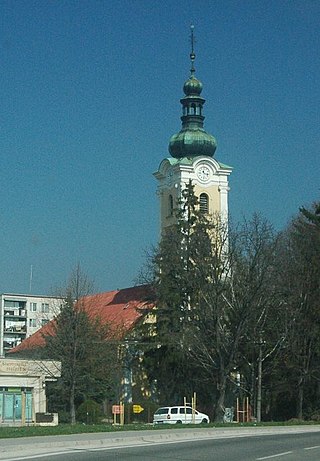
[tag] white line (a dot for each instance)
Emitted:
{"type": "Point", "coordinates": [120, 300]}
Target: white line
{"type": "Point", "coordinates": [275, 456]}
{"type": "Point", "coordinates": [312, 448]}
{"type": "Point", "coordinates": [89, 448]}
{"type": "Point", "coordinates": [56, 453]}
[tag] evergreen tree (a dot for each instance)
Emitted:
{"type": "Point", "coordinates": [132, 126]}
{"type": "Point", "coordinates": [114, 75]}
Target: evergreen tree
{"type": "Point", "coordinates": [174, 276]}
{"type": "Point", "coordinates": [89, 358]}
{"type": "Point", "coordinates": [299, 370]}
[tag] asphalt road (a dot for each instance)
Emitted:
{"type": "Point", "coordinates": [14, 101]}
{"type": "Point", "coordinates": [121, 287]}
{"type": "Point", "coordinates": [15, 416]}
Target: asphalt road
{"type": "Point", "coordinates": [211, 445]}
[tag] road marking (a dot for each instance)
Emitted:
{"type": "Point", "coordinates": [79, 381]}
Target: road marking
{"type": "Point", "coordinates": [89, 448]}
{"type": "Point", "coordinates": [143, 444]}
{"type": "Point", "coordinates": [43, 455]}
{"type": "Point", "coordinates": [275, 456]}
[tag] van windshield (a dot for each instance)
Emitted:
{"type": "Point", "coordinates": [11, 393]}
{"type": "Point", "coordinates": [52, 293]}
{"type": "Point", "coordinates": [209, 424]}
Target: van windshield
{"type": "Point", "coordinates": [162, 411]}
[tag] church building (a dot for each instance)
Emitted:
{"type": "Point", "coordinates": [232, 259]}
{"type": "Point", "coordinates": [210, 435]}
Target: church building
{"type": "Point", "coordinates": [192, 151]}
{"type": "Point", "coordinates": [192, 159]}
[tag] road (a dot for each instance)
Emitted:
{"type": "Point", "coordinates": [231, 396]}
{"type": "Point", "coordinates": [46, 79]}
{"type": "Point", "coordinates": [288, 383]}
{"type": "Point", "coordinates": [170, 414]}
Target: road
{"type": "Point", "coordinates": [212, 445]}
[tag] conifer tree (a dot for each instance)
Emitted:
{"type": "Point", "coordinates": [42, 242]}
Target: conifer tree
{"type": "Point", "coordinates": [174, 277]}
{"type": "Point", "coordinates": [89, 359]}
{"type": "Point", "coordinates": [299, 280]}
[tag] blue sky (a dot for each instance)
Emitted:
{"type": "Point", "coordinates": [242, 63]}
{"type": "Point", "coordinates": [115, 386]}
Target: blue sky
{"type": "Point", "coordinates": [90, 95]}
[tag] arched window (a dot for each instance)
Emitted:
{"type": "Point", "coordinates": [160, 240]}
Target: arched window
{"type": "Point", "coordinates": [170, 205]}
{"type": "Point", "coordinates": [204, 203]}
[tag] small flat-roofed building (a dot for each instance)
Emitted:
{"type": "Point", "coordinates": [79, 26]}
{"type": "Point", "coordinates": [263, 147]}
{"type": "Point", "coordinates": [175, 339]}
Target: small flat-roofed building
{"type": "Point", "coordinates": [23, 390]}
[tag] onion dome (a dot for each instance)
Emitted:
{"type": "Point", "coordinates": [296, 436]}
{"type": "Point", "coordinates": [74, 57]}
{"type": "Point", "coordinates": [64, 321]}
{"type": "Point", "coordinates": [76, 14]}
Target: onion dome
{"type": "Point", "coordinates": [192, 86]}
{"type": "Point", "coordinates": [192, 140]}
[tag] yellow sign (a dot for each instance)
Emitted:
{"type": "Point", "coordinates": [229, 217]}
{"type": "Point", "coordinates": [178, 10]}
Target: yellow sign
{"type": "Point", "coordinates": [137, 408]}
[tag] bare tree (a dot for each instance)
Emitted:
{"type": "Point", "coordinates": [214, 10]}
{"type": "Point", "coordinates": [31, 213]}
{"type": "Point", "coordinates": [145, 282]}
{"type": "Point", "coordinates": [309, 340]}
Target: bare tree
{"type": "Point", "coordinates": [233, 303]}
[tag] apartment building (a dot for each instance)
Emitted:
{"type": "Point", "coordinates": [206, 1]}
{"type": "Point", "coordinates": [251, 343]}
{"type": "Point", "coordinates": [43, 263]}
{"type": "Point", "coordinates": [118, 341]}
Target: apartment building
{"type": "Point", "coordinates": [22, 315]}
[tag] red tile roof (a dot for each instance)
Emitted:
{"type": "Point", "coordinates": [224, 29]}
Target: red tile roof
{"type": "Point", "coordinates": [120, 309]}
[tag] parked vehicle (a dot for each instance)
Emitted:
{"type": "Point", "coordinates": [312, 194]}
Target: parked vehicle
{"type": "Point", "coordinates": [179, 415]}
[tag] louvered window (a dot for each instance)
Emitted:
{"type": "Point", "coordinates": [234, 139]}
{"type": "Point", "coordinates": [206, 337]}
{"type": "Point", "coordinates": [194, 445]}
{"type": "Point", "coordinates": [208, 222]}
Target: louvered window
{"type": "Point", "coordinates": [204, 203]}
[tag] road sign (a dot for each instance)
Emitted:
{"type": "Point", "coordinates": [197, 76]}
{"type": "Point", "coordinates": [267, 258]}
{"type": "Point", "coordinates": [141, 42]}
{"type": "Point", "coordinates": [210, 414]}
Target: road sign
{"type": "Point", "coordinates": [117, 409]}
{"type": "Point", "coordinates": [137, 408]}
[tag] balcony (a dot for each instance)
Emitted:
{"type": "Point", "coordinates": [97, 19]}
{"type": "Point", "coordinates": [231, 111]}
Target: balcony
{"type": "Point", "coordinates": [9, 313]}
{"type": "Point", "coordinates": [15, 329]}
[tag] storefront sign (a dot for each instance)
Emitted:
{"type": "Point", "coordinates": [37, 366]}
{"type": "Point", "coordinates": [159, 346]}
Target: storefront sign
{"type": "Point", "coordinates": [48, 368]}
{"type": "Point", "coordinates": [13, 367]}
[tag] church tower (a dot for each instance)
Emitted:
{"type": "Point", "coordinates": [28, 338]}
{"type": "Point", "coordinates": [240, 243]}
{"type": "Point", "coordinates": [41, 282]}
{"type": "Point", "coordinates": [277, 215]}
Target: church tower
{"type": "Point", "coordinates": [192, 151]}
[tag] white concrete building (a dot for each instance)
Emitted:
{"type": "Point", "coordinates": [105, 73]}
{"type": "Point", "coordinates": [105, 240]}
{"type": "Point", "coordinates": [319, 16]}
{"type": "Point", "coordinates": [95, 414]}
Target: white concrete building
{"type": "Point", "coordinates": [23, 391]}
{"type": "Point", "coordinates": [22, 315]}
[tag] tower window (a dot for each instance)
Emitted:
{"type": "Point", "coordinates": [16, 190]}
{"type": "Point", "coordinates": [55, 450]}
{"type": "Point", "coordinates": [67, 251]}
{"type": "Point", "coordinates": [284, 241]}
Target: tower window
{"type": "Point", "coordinates": [170, 205]}
{"type": "Point", "coordinates": [204, 203]}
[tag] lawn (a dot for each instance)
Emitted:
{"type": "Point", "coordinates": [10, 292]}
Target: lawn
{"type": "Point", "coordinates": [65, 429]}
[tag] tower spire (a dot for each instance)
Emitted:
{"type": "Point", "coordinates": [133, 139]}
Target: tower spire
{"type": "Point", "coordinates": [192, 140]}
{"type": "Point", "coordinates": [192, 54]}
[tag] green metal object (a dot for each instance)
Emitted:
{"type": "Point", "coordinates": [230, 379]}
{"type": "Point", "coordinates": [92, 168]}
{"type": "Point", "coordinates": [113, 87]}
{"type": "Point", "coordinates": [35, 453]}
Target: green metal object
{"type": "Point", "coordinates": [192, 140]}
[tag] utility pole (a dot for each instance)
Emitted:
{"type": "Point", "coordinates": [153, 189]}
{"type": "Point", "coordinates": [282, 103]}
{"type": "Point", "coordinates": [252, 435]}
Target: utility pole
{"type": "Point", "coordinates": [259, 385]}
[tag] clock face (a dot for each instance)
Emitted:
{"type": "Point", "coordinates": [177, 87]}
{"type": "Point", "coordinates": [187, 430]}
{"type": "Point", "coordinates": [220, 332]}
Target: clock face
{"type": "Point", "coordinates": [203, 173]}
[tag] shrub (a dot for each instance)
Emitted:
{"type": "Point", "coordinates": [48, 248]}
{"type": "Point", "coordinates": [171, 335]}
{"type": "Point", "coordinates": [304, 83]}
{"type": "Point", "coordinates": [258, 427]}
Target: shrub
{"type": "Point", "coordinates": [315, 416]}
{"type": "Point", "coordinates": [64, 417]}
{"type": "Point", "coordinates": [89, 412]}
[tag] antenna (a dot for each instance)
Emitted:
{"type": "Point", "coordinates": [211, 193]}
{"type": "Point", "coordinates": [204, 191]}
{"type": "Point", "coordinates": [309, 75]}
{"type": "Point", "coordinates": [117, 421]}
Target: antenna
{"type": "Point", "coordinates": [192, 54]}
{"type": "Point", "coordinates": [31, 274]}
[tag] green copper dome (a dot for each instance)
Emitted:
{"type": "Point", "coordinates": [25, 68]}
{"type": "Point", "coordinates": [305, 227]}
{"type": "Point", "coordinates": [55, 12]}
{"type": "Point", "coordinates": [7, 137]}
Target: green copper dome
{"type": "Point", "coordinates": [192, 143]}
{"type": "Point", "coordinates": [192, 86]}
{"type": "Point", "coordinates": [192, 140]}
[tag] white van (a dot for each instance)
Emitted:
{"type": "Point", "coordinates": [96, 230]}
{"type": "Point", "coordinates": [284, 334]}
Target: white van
{"type": "Point", "coordinates": [179, 415]}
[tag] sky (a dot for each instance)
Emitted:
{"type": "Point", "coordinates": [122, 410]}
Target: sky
{"type": "Point", "coordinates": [90, 92]}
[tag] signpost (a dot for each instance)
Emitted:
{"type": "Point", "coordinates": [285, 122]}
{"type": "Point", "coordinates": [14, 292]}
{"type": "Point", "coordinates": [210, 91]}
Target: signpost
{"type": "Point", "coordinates": [118, 410]}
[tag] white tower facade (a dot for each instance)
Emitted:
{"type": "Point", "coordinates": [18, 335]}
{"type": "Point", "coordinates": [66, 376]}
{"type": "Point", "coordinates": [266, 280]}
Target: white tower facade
{"type": "Point", "coordinates": [210, 180]}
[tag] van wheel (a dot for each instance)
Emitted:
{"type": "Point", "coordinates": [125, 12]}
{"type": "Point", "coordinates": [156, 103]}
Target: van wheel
{"type": "Point", "coordinates": [204, 421]}
{"type": "Point", "coordinates": [179, 422]}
